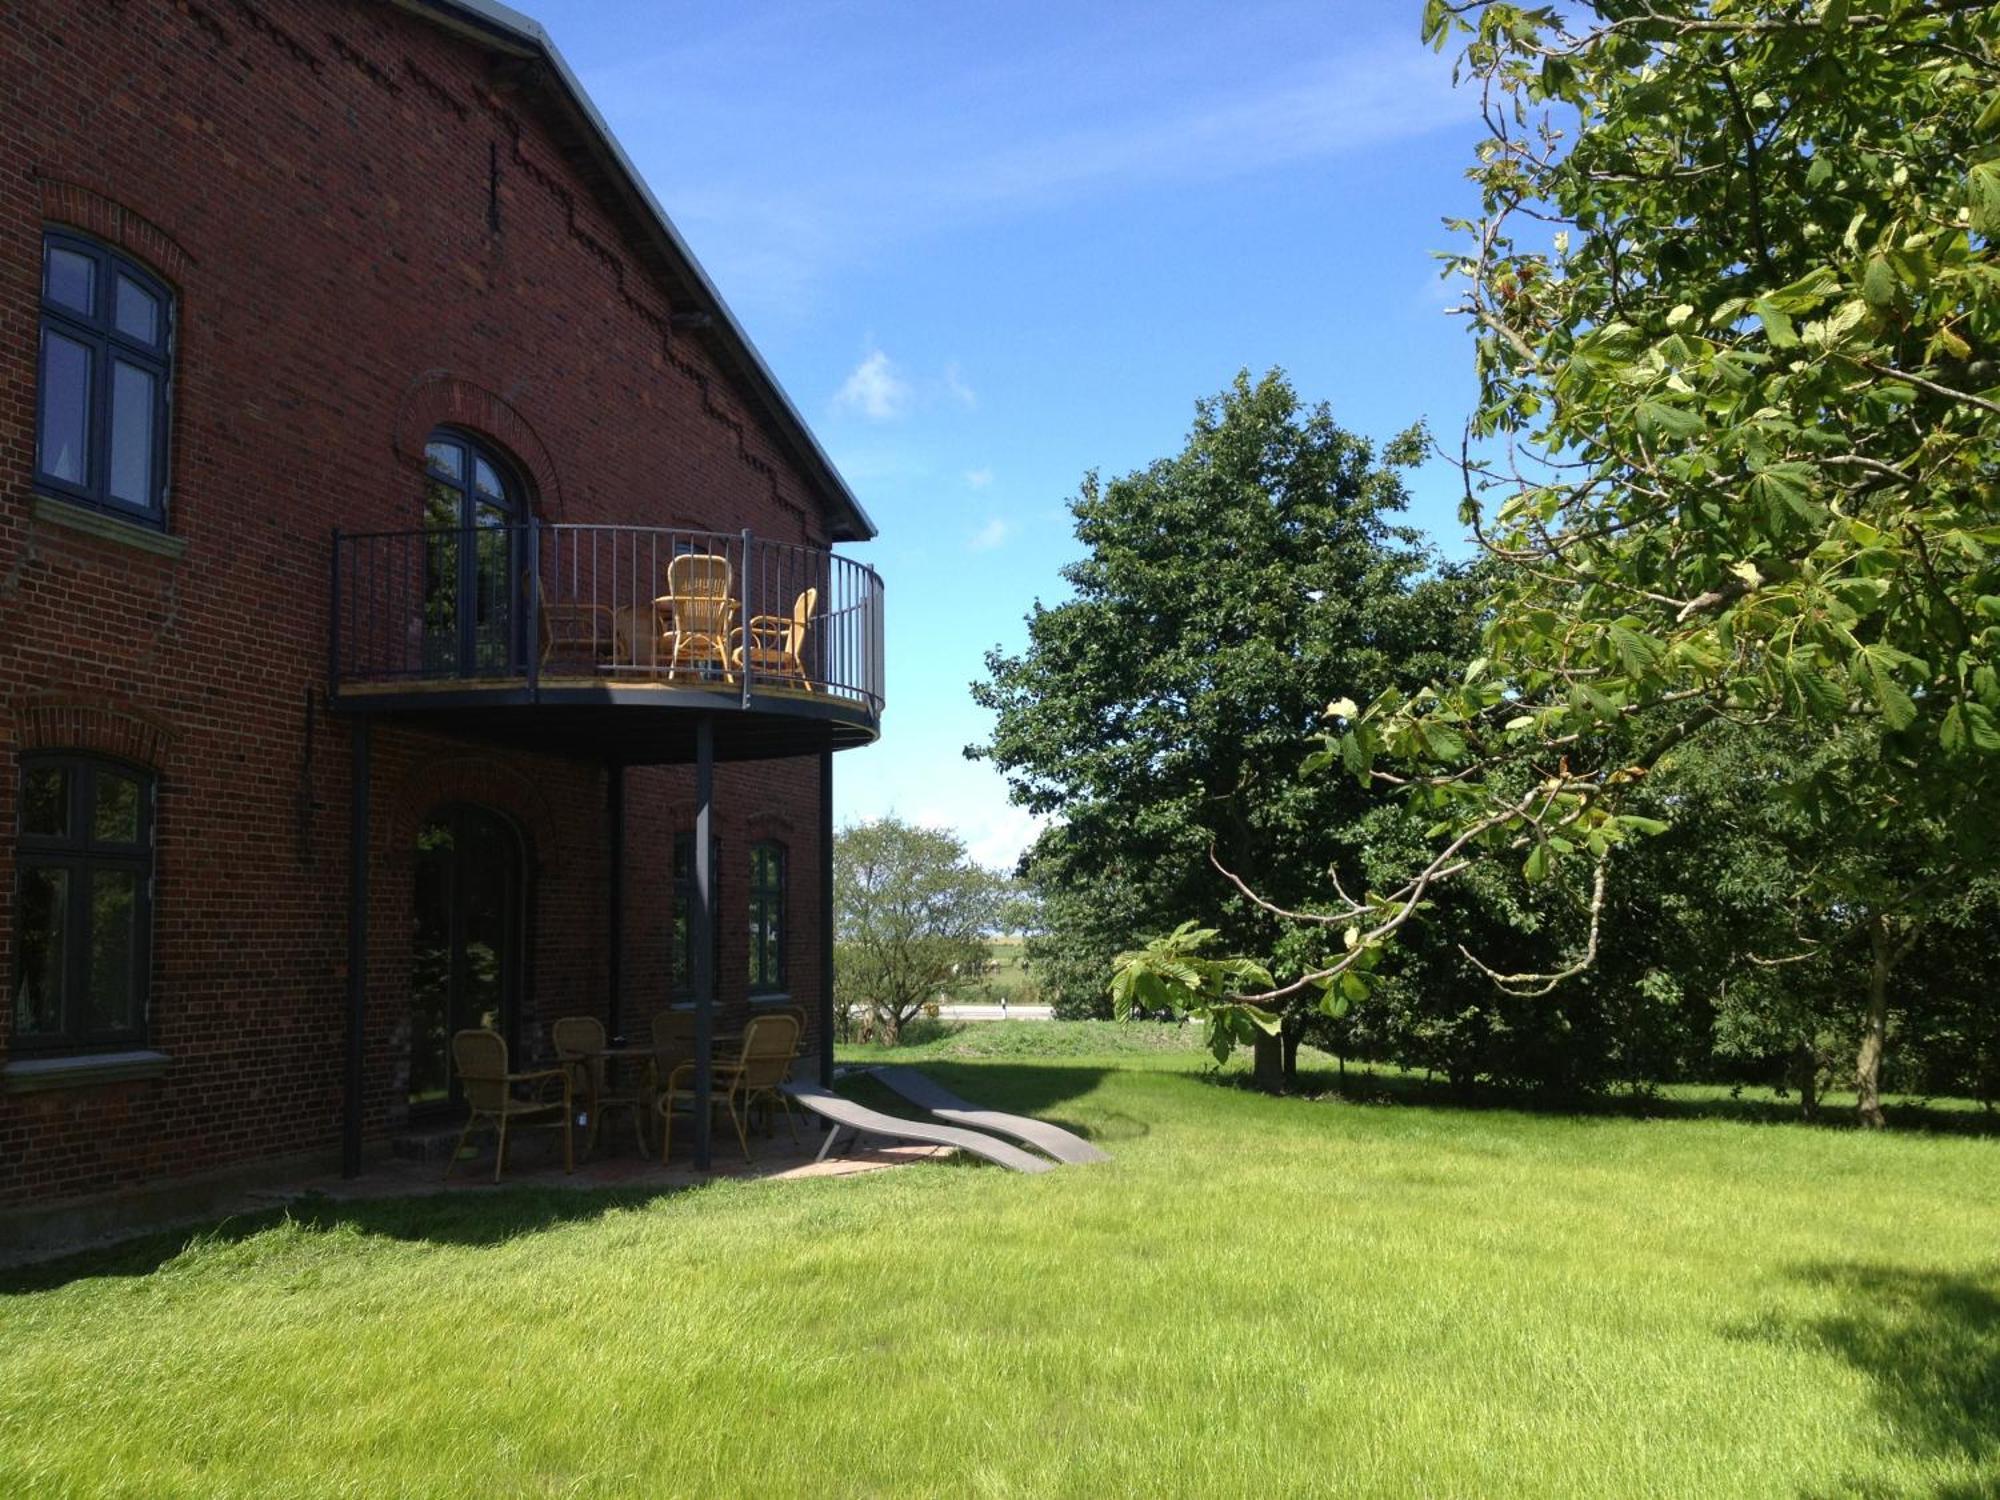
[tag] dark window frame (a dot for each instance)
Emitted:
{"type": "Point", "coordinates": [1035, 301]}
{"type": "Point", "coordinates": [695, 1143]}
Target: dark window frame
{"type": "Point", "coordinates": [81, 854]}
{"type": "Point", "coordinates": [475, 648]}
{"type": "Point", "coordinates": [98, 332]}
{"type": "Point", "coordinates": [767, 918]}
{"type": "Point", "coordinates": [680, 960]}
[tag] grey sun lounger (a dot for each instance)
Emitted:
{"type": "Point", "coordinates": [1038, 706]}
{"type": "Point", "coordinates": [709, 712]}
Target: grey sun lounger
{"type": "Point", "coordinates": [847, 1115]}
{"type": "Point", "coordinates": [1063, 1145]}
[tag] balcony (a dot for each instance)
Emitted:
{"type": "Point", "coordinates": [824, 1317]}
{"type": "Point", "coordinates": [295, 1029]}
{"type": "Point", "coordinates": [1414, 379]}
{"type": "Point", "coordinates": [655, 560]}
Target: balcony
{"type": "Point", "coordinates": [609, 642]}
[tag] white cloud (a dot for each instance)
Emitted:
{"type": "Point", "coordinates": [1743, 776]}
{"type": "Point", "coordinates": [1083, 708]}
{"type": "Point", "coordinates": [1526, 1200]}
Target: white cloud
{"type": "Point", "coordinates": [978, 479]}
{"type": "Point", "coordinates": [991, 535]}
{"type": "Point", "coordinates": [994, 836]}
{"type": "Point", "coordinates": [997, 840]}
{"type": "Point", "coordinates": [957, 150]}
{"type": "Point", "coordinates": [875, 390]}
{"type": "Point", "coordinates": [954, 382]}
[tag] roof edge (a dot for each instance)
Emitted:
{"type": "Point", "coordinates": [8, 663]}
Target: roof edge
{"type": "Point", "coordinates": [491, 21]}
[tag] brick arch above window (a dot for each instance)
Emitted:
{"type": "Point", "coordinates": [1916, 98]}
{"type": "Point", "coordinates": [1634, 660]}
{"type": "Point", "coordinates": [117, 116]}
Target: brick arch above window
{"type": "Point", "coordinates": [438, 398]}
{"type": "Point", "coordinates": [93, 726]}
{"type": "Point", "coordinates": [75, 206]}
{"type": "Point", "coordinates": [770, 828]}
{"type": "Point", "coordinates": [484, 782]}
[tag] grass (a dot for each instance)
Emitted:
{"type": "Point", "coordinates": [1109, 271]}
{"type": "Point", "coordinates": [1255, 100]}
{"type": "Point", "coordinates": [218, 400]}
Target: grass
{"type": "Point", "coordinates": [1259, 1295]}
{"type": "Point", "coordinates": [1009, 979]}
{"type": "Point", "coordinates": [944, 1041]}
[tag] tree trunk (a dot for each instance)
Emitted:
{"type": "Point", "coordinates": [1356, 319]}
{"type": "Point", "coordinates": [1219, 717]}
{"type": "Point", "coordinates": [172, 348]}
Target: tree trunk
{"type": "Point", "coordinates": [1291, 1037]}
{"type": "Point", "coordinates": [1268, 1064]}
{"type": "Point", "coordinates": [1875, 1029]}
{"type": "Point", "coordinates": [1808, 1081]}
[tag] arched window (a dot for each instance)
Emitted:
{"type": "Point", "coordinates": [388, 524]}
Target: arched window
{"type": "Point", "coordinates": [83, 904]}
{"type": "Point", "coordinates": [767, 919]}
{"type": "Point", "coordinates": [473, 510]}
{"type": "Point", "coordinates": [102, 386]}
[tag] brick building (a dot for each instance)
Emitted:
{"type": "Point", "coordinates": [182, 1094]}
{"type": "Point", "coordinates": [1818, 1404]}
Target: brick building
{"type": "Point", "coordinates": [378, 472]}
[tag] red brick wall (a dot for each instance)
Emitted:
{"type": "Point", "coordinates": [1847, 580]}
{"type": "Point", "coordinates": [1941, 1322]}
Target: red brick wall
{"type": "Point", "coordinates": [312, 178]}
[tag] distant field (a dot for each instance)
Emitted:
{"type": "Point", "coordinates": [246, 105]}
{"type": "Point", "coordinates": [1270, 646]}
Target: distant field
{"type": "Point", "coordinates": [1009, 980]}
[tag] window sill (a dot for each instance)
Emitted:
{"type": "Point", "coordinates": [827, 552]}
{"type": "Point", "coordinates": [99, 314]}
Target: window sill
{"type": "Point", "coordinates": [74, 515]}
{"type": "Point", "coordinates": [32, 1074]}
{"type": "Point", "coordinates": [775, 998]}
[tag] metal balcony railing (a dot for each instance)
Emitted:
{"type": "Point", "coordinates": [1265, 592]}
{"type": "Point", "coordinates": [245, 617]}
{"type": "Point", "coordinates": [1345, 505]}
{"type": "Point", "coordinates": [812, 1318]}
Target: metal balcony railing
{"type": "Point", "coordinates": [626, 605]}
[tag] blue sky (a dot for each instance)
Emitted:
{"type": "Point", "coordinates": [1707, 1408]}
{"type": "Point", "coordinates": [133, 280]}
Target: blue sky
{"type": "Point", "coordinates": [989, 247]}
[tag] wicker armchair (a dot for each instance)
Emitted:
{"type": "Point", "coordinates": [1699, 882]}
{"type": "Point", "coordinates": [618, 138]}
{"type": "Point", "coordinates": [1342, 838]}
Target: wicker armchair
{"type": "Point", "coordinates": [701, 615]}
{"type": "Point", "coordinates": [746, 1078]}
{"type": "Point", "coordinates": [481, 1060]}
{"type": "Point", "coordinates": [576, 635]}
{"type": "Point", "coordinates": [578, 1041]}
{"type": "Point", "coordinates": [774, 645]}
{"type": "Point", "coordinates": [673, 1040]}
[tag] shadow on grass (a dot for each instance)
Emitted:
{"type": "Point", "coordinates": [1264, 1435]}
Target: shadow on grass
{"type": "Point", "coordinates": [1038, 1090]}
{"type": "Point", "coordinates": [463, 1219]}
{"type": "Point", "coordinates": [1369, 1085]}
{"type": "Point", "coordinates": [1929, 1344]}
{"type": "Point", "coordinates": [477, 1219]}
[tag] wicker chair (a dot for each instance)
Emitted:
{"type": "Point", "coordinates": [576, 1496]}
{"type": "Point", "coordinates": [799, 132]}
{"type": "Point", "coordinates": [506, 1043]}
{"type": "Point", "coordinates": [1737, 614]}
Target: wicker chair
{"type": "Point", "coordinates": [576, 635]}
{"type": "Point", "coordinates": [578, 1041]}
{"type": "Point", "coordinates": [774, 645]}
{"type": "Point", "coordinates": [481, 1060]}
{"type": "Point", "coordinates": [673, 1040]}
{"type": "Point", "coordinates": [701, 615]}
{"type": "Point", "coordinates": [749, 1077]}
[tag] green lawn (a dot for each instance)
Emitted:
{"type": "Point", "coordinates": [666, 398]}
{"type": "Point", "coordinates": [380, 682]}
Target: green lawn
{"type": "Point", "coordinates": [1258, 1296]}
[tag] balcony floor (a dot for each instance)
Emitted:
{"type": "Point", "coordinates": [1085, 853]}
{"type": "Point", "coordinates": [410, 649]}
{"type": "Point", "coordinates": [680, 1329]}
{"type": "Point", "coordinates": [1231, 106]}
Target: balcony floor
{"type": "Point", "coordinates": [635, 720]}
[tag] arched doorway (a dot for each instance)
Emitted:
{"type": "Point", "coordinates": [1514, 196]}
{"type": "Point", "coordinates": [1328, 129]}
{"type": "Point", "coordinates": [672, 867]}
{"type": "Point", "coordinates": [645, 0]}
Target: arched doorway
{"type": "Point", "coordinates": [466, 949]}
{"type": "Point", "coordinates": [473, 507]}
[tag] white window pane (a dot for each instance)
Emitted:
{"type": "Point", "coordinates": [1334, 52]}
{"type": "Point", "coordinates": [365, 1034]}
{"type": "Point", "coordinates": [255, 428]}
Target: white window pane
{"type": "Point", "coordinates": [487, 480]}
{"type": "Point", "coordinates": [71, 279]}
{"type": "Point", "coordinates": [131, 434]}
{"type": "Point", "coordinates": [65, 435]}
{"type": "Point", "coordinates": [137, 314]}
{"type": "Point", "coordinates": [446, 459]}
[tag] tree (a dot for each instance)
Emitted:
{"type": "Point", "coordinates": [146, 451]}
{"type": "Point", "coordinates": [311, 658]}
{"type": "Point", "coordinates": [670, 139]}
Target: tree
{"type": "Point", "coordinates": [1737, 318]}
{"type": "Point", "coordinates": [912, 914]}
{"type": "Point", "coordinates": [1162, 711]}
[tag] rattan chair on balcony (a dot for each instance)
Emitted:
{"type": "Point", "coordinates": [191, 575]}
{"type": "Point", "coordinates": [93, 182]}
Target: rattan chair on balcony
{"type": "Point", "coordinates": [580, 1044]}
{"type": "Point", "coordinates": [740, 1080]}
{"type": "Point", "coordinates": [773, 646]}
{"type": "Point", "coordinates": [699, 616]}
{"type": "Point", "coordinates": [481, 1060]}
{"type": "Point", "coordinates": [576, 635]}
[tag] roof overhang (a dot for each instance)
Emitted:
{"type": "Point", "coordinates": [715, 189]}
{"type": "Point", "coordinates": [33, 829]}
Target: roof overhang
{"type": "Point", "coordinates": [505, 30]}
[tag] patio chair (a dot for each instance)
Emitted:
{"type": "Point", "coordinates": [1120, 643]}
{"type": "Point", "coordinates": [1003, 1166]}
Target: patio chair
{"type": "Point", "coordinates": [741, 1080]}
{"type": "Point", "coordinates": [576, 634]}
{"type": "Point", "coordinates": [579, 1042]}
{"type": "Point", "coordinates": [774, 645]}
{"type": "Point", "coordinates": [673, 1040]}
{"type": "Point", "coordinates": [673, 1044]}
{"type": "Point", "coordinates": [481, 1060]}
{"type": "Point", "coordinates": [700, 614]}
